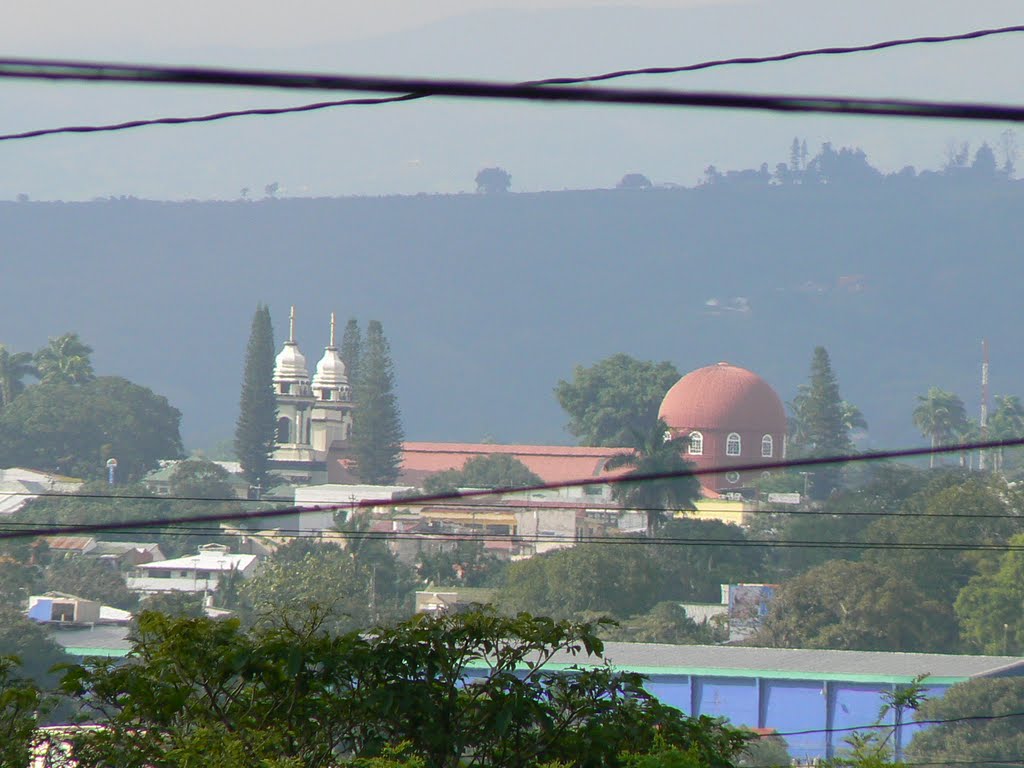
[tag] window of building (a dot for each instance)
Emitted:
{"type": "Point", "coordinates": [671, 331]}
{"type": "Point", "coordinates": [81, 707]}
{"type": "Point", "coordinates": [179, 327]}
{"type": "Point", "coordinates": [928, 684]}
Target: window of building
{"type": "Point", "coordinates": [284, 429]}
{"type": "Point", "coordinates": [732, 444]}
{"type": "Point", "coordinates": [767, 446]}
{"type": "Point", "coordinates": [696, 447]}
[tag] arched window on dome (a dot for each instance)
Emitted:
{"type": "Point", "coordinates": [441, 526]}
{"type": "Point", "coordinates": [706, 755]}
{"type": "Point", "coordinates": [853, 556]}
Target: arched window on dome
{"type": "Point", "coordinates": [767, 446]}
{"type": "Point", "coordinates": [733, 445]}
{"type": "Point", "coordinates": [696, 446]}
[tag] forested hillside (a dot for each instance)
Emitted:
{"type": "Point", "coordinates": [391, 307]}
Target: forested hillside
{"type": "Point", "coordinates": [490, 299]}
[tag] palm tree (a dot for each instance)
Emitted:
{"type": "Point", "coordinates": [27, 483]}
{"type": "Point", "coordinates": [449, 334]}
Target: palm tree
{"type": "Point", "coordinates": [939, 415]}
{"type": "Point", "coordinates": [14, 367]}
{"type": "Point", "coordinates": [1007, 423]}
{"type": "Point", "coordinates": [655, 453]}
{"type": "Point", "coordinates": [65, 359]}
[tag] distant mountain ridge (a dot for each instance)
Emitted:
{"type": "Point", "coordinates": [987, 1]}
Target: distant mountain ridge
{"type": "Point", "coordinates": [489, 299]}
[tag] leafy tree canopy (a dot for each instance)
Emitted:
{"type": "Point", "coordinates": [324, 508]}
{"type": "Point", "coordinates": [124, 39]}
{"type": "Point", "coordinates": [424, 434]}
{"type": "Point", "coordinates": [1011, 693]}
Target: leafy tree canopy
{"type": "Point", "coordinates": [955, 508]}
{"type": "Point", "coordinates": [497, 470]}
{"type": "Point", "coordinates": [623, 580]}
{"type": "Point", "coordinates": [993, 741]}
{"type": "Point", "coordinates": [74, 429]}
{"type": "Point", "coordinates": [858, 607]}
{"type": "Point", "coordinates": [195, 691]}
{"type": "Point", "coordinates": [65, 359]}
{"type": "Point", "coordinates": [989, 606]}
{"type": "Point", "coordinates": [615, 397]}
{"type": "Point", "coordinates": [491, 181]}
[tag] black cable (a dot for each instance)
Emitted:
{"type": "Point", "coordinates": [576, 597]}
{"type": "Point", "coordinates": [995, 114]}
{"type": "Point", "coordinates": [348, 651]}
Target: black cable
{"type": "Point", "coordinates": [874, 726]}
{"type": "Point", "coordinates": [37, 69]}
{"type": "Point", "coordinates": [439, 497]}
{"type": "Point", "coordinates": [737, 61]}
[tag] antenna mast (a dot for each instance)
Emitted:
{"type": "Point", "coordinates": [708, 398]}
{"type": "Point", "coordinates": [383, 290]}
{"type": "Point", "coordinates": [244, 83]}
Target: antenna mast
{"type": "Point", "coordinates": [983, 423]}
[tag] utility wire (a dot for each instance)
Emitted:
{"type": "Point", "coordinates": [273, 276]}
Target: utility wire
{"type": "Point", "coordinates": [38, 69]}
{"type": "Point", "coordinates": [630, 478]}
{"type": "Point", "coordinates": [622, 73]}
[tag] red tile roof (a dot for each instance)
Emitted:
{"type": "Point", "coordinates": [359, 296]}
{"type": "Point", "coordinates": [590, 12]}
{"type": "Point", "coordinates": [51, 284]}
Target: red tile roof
{"type": "Point", "coordinates": [551, 463]}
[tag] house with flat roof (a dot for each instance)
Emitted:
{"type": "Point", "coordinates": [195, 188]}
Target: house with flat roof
{"type": "Point", "coordinates": [201, 572]}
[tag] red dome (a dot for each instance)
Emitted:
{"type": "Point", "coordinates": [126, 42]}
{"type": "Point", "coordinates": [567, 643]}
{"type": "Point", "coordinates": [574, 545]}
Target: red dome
{"type": "Point", "coordinates": [723, 397]}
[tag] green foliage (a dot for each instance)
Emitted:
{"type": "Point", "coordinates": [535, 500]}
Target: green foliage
{"type": "Point", "coordinates": [465, 564]}
{"type": "Point", "coordinates": [654, 454]}
{"type": "Point", "coordinates": [956, 508]}
{"type": "Point", "coordinates": [200, 479]}
{"type": "Point", "coordinates": [623, 580]}
{"type": "Point", "coordinates": [666, 622]}
{"type": "Point", "coordinates": [940, 416]}
{"type": "Point", "coordinates": [65, 359]}
{"type": "Point", "coordinates": [24, 639]}
{"type": "Point", "coordinates": [91, 579]}
{"type": "Point", "coordinates": [195, 691]}
{"type": "Point", "coordinates": [769, 751]}
{"type": "Point", "coordinates": [14, 367]}
{"type": "Point", "coordinates": [992, 741]}
{"type": "Point", "coordinates": [20, 700]}
{"type": "Point", "coordinates": [497, 470]}
{"type": "Point", "coordinates": [257, 411]}
{"type": "Point", "coordinates": [1006, 423]}
{"type": "Point", "coordinates": [858, 607]}
{"type": "Point", "coordinates": [821, 424]}
{"type": "Point", "coordinates": [119, 504]}
{"type": "Point", "coordinates": [353, 587]}
{"type": "Point", "coordinates": [989, 606]}
{"type": "Point", "coordinates": [175, 604]}
{"type": "Point", "coordinates": [351, 349]}
{"type": "Point", "coordinates": [74, 429]}
{"type": "Point", "coordinates": [377, 432]}
{"type": "Point", "coordinates": [615, 397]}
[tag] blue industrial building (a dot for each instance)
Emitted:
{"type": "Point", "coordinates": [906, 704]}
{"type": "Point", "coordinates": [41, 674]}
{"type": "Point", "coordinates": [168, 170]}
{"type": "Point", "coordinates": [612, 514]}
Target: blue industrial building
{"type": "Point", "coordinates": [812, 697]}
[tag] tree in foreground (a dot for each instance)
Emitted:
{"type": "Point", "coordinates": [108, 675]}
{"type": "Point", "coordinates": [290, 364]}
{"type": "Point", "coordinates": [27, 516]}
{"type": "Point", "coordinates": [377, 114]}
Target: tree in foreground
{"type": "Point", "coordinates": [377, 432]}
{"type": "Point", "coordinates": [254, 432]}
{"type": "Point", "coordinates": [988, 735]}
{"type": "Point", "coordinates": [822, 422]}
{"type": "Point", "coordinates": [202, 692]}
{"type": "Point", "coordinates": [654, 453]}
{"type": "Point", "coordinates": [615, 397]}
{"type": "Point", "coordinates": [20, 700]}
{"type": "Point", "coordinates": [65, 359]}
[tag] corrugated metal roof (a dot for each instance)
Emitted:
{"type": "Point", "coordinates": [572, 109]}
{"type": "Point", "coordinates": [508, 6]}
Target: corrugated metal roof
{"type": "Point", "coordinates": [807, 664]}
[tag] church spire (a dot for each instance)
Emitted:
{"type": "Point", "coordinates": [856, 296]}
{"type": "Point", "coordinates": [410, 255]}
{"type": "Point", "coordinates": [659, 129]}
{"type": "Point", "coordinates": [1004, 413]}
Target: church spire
{"type": "Point", "coordinates": [331, 345]}
{"type": "Point", "coordinates": [291, 325]}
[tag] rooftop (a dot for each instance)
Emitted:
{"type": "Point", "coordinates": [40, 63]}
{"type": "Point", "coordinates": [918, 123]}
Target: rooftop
{"type": "Point", "coordinates": [800, 664]}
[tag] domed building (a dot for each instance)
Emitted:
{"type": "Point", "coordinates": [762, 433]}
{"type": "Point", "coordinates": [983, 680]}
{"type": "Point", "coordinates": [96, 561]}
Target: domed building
{"type": "Point", "coordinates": [731, 417]}
{"type": "Point", "coordinates": [313, 415]}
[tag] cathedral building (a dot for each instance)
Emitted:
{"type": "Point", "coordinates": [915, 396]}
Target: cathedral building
{"type": "Point", "coordinates": [314, 415]}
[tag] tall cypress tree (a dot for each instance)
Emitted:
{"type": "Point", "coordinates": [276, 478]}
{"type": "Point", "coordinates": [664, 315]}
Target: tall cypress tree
{"type": "Point", "coordinates": [821, 425]}
{"type": "Point", "coordinates": [351, 348]}
{"type": "Point", "coordinates": [257, 415]}
{"type": "Point", "coordinates": [377, 431]}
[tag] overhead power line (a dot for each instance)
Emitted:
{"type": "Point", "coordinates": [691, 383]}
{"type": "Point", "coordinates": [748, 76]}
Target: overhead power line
{"type": "Point", "coordinates": [37, 69]}
{"type": "Point", "coordinates": [162, 522]}
{"type": "Point", "coordinates": [617, 74]}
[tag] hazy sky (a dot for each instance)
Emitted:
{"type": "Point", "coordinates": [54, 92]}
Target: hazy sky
{"type": "Point", "coordinates": [36, 28]}
{"type": "Point", "coordinates": [438, 146]}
